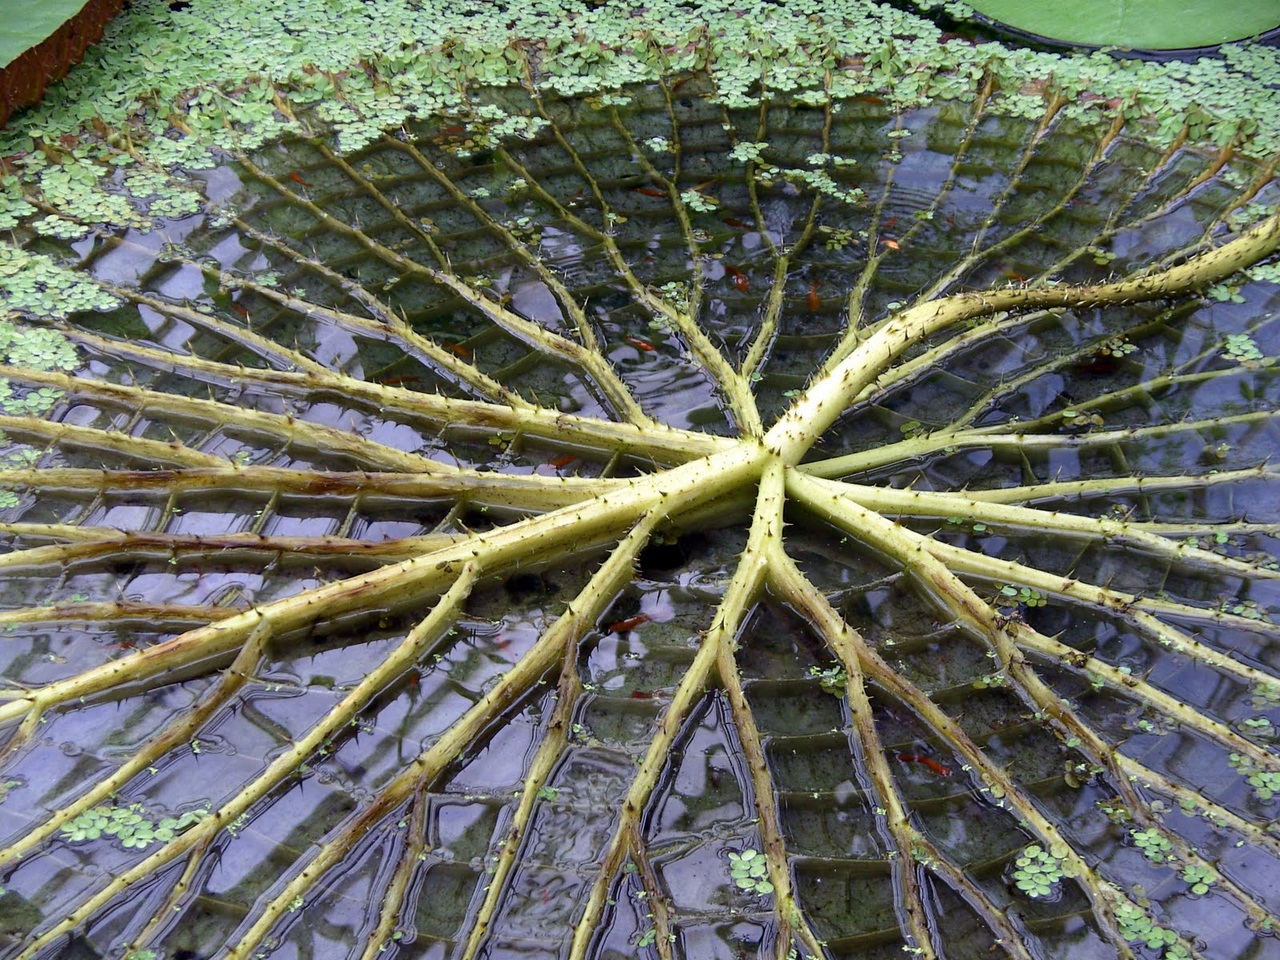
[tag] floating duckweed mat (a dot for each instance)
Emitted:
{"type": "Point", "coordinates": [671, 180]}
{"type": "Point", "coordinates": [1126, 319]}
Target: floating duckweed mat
{"type": "Point", "coordinates": [619, 505]}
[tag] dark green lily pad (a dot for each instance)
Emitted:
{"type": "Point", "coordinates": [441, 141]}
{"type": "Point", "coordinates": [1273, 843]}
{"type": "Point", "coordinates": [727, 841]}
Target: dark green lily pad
{"type": "Point", "coordinates": [42, 41]}
{"type": "Point", "coordinates": [1144, 24]}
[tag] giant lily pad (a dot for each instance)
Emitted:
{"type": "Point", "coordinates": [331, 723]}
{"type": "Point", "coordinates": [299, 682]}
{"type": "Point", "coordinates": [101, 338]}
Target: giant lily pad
{"type": "Point", "coordinates": [41, 41]}
{"type": "Point", "coordinates": [1142, 24]}
{"type": "Point", "coordinates": [580, 486]}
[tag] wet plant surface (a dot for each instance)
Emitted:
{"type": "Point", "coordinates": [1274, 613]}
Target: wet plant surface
{"type": "Point", "coordinates": [644, 523]}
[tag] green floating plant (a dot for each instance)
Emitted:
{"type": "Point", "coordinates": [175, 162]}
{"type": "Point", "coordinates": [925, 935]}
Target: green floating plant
{"type": "Point", "coordinates": [749, 871]}
{"type": "Point", "coordinates": [1023, 596]}
{"type": "Point", "coordinates": [8, 784]}
{"type": "Point", "coordinates": [1227, 293]}
{"type": "Point", "coordinates": [1201, 878]}
{"type": "Point", "coordinates": [1248, 609]}
{"type": "Point", "coordinates": [1265, 696]}
{"type": "Point", "coordinates": [831, 679]}
{"type": "Point", "coordinates": [1259, 726]}
{"type": "Point", "coordinates": [128, 824]}
{"type": "Point", "coordinates": [1265, 783]}
{"type": "Point", "coordinates": [698, 201]}
{"type": "Point", "coordinates": [1154, 845]}
{"type": "Point", "coordinates": [1117, 347]}
{"type": "Point", "coordinates": [1137, 926]}
{"type": "Point", "coordinates": [748, 151]}
{"type": "Point", "coordinates": [37, 348]}
{"type": "Point", "coordinates": [835, 238]}
{"type": "Point", "coordinates": [1242, 348]}
{"type": "Point", "coordinates": [1037, 872]}
{"type": "Point", "coordinates": [34, 403]}
{"type": "Point", "coordinates": [34, 284]}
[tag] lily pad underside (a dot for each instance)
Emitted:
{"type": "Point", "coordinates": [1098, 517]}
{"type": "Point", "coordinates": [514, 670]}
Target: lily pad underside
{"type": "Point", "coordinates": [647, 524]}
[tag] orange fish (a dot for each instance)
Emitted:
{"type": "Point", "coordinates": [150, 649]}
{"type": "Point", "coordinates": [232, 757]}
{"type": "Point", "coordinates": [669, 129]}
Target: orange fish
{"type": "Point", "coordinates": [815, 301]}
{"type": "Point", "coordinates": [739, 278]}
{"type": "Point", "coordinates": [929, 762]}
{"type": "Point", "coordinates": [624, 626]}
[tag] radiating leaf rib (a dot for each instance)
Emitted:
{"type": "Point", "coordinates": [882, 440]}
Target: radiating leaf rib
{"type": "Point", "coordinates": [950, 592]}
{"type": "Point", "coordinates": [393, 584]}
{"type": "Point", "coordinates": [550, 751]}
{"type": "Point", "coordinates": [585, 333]}
{"type": "Point", "coordinates": [567, 632]}
{"type": "Point", "coordinates": [1049, 703]}
{"type": "Point", "coordinates": [560, 639]}
{"type": "Point", "coordinates": [744, 587]}
{"type": "Point", "coordinates": [384, 320]}
{"type": "Point", "coordinates": [109, 442]}
{"type": "Point", "coordinates": [283, 357]}
{"type": "Point", "coordinates": [838, 636]}
{"type": "Point", "coordinates": [1013, 937]}
{"type": "Point", "coordinates": [1121, 533]}
{"type": "Point", "coordinates": [253, 550]}
{"type": "Point", "coordinates": [852, 653]}
{"type": "Point", "coordinates": [386, 325]}
{"type": "Point", "coordinates": [1113, 399]}
{"type": "Point", "coordinates": [730, 382]}
{"type": "Point", "coordinates": [1151, 609]}
{"type": "Point", "coordinates": [998, 439]}
{"type": "Point", "coordinates": [978, 253]}
{"type": "Point", "coordinates": [537, 337]}
{"type": "Point", "coordinates": [1119, 486]}
{"type": "Point", "coordinates": [426, 633]}
{"type": "Point", "coordinates": [774, 305]}
{"type": "Point", "coordinates": [120, 610]}
{"type": "Point", "coordinates": [684, 322]}
{"type": "Point", "coordinates": [253, 423]}
{"type": "Point", "coordinates": [411, 855]}
{"type": "Point", "coordinates": [827, 399]}
{"type": "Point", "coordinates": [176, 734]}
{"type": "Point", "coordinates": [764, 539]}
{"type": "Point", "coordinates": [518, 491]}
{"type": "Point", "coordinates": [942, 559]}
